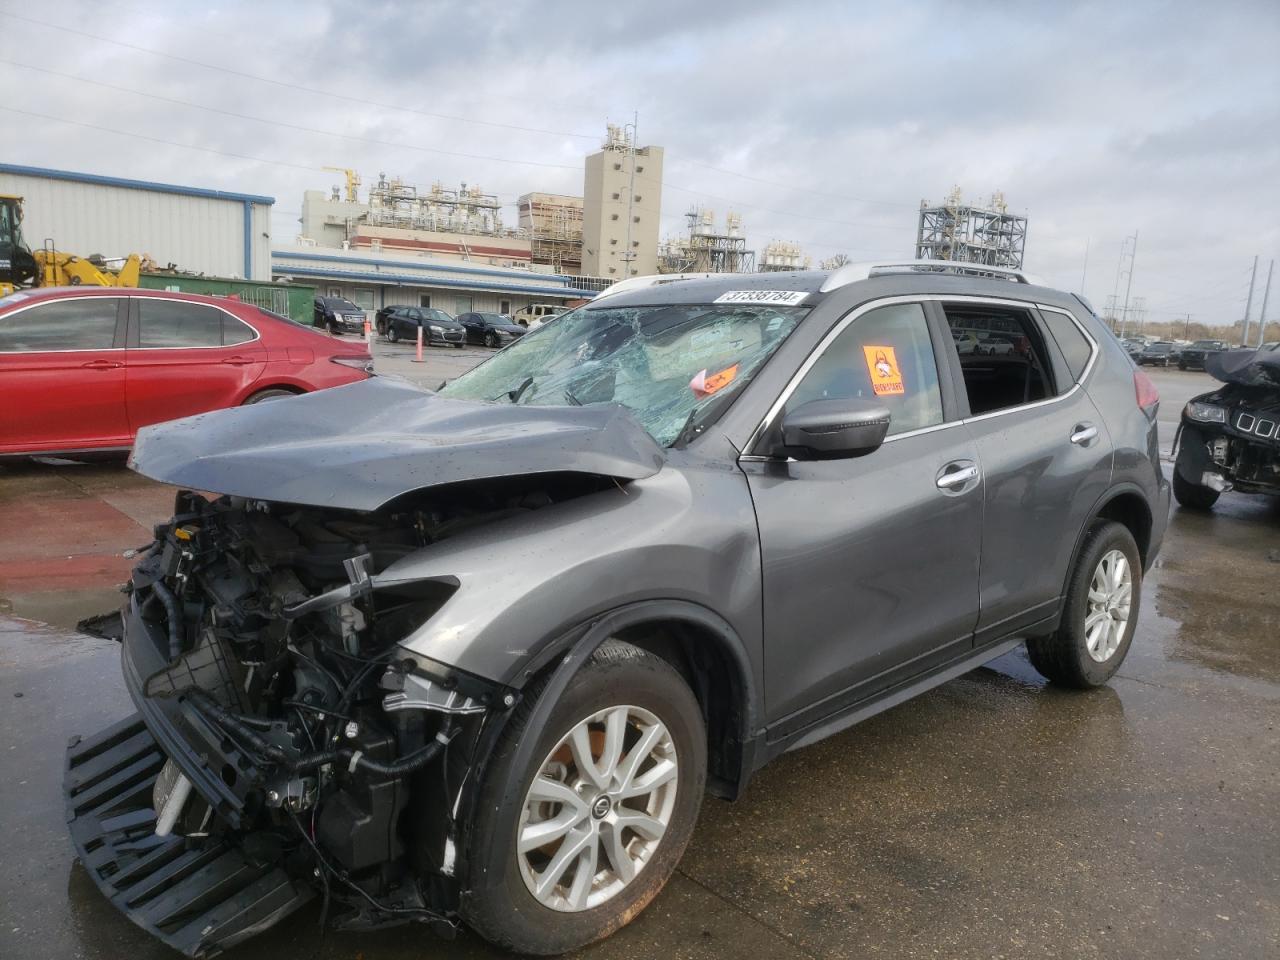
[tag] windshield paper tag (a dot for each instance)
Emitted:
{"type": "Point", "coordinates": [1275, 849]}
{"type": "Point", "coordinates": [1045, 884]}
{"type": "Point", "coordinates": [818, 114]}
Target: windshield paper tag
{"type": "Point", "coordinates": [704, 384]}
{"type": "Point", "coordinates": [781, 298]}
{"type": "Point", "coordinates": [882, 364]}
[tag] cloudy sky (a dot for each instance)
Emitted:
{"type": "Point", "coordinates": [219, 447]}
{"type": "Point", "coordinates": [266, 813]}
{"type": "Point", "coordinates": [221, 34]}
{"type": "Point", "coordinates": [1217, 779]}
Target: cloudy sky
{"type": "Point", "coordinates": [822, 123]}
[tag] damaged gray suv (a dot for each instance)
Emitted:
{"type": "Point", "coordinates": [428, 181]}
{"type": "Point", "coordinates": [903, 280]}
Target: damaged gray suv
{"type": "Point", "coordinates": [476, 655]}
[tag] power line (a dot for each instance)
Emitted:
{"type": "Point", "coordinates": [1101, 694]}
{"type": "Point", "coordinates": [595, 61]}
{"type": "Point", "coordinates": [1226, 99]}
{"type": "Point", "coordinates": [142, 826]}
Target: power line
{"type": "Point", "coordinates": [283, 124]}
{"type": "Point", "coordinates": [295, 86]}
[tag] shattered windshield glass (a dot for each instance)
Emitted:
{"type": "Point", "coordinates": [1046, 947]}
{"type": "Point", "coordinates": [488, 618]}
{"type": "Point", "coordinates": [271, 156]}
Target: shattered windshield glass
{"type": "Point", "coordinates": [665, 363]}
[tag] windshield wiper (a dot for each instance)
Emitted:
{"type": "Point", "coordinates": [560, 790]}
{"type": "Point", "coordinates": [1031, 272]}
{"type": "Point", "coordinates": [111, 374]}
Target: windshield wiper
{"type": "Point", "coordinates": [568, 395]}
{"type": "Point", "coordinates": [515, 395]}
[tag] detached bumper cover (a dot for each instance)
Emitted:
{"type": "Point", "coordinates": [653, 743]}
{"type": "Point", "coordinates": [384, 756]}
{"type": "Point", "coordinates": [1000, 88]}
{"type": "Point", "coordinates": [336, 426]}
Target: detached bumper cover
{"type": "Point", "coordinates": [198, 896]}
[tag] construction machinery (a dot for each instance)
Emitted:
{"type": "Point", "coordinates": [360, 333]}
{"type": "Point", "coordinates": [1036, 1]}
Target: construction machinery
{"type": "Point", "coordinates": [47, 267]}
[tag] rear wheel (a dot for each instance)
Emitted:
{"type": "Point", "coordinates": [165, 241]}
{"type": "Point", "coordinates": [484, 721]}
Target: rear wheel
{"type": "Point", "coordinates": [1182, 365]}
{"type": "Point", "coordinates": [1099, 614]}
{"type": "Point", "coordinates": [582, 837]}
{"type": "Point", "coordinates": [276, 393]}
{"type": "Point", "coordinates": [1192, 495]}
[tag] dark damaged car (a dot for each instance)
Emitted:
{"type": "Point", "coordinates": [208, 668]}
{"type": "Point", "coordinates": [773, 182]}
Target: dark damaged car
{"type": "Point", "coordinates": [476, 655]}
{"type": "Point", "coordinates": [1229, 438]}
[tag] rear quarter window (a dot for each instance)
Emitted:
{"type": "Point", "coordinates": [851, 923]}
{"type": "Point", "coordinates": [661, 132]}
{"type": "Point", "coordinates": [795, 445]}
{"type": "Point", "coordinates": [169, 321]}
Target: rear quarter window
{"type": "Point", "coordinates": [1074, 345]}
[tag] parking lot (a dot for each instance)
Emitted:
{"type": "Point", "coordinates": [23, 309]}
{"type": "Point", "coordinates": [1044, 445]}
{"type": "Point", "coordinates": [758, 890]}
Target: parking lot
{"type": "Point", "coordinates": [992, 817]}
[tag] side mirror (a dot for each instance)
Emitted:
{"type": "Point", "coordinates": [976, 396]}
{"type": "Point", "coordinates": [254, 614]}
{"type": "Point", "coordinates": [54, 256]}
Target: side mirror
{"type": "Point", "coordinates": [830, 429]}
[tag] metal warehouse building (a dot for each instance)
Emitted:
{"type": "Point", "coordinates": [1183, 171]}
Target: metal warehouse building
{"type": "Point", "coordinates": [198, 230]}
{"type": "Point", "coordinates": [375, 279]}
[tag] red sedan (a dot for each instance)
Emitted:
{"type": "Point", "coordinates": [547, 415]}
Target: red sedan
{"type": "Point", "coordinates": [83, 369]}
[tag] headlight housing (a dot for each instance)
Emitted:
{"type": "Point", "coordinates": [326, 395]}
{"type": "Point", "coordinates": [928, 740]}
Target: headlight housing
{"type": "Point", "coordinates": [435, 329]}
{"type": "Point", "coordinates": [1205, 412]}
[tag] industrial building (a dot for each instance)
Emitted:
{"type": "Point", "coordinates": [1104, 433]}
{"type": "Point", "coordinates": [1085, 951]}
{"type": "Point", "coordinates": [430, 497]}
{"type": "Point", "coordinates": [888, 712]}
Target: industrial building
{"type": "Point", "coordinates": [783, 255]}
{"type": "Point", "coordinates": [373, 279]}
{"type": "Point", "coordinates": [197, 230]}
{"type": "Point", "coordinates": [706, 248]}
{"type": "Point", "coordinates": [956, 230]}
{"type": "Point", "coordinates": [444, 223]}
{"type": "Point", "coordinates": [622, 204]}
{"type": "Point", "coordinates": [553, 223]}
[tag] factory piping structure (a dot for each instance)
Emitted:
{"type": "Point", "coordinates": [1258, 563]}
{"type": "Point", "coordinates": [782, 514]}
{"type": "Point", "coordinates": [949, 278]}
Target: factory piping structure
{"type": "Point", "coordinates": [970, 233]}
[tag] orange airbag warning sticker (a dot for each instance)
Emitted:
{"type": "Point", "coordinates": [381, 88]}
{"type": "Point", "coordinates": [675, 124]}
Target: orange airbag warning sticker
{"type": "Point", "coordinates": [882, 364]}
{"type": "Point", "coordinates": [704, 384]}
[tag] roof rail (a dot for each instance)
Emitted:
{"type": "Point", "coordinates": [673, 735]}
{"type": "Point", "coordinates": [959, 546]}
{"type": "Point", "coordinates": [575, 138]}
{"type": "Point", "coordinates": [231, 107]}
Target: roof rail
{"type": "Point", "coordinates": [651, 280]}
{"type": "Point", "coordinates": [853, 272]}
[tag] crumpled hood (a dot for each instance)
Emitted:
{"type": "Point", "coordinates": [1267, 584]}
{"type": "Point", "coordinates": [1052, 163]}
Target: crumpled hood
{"type": "Point", "coordinates": [1249, 368]}
{"type": "Point", "coordinates": [360, 446]}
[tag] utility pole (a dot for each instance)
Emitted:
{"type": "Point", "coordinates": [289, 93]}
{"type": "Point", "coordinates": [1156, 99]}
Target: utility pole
{"type": "Point", "coordinates": [1248, 305]}
{"type": "Point", "coordinates": [1266, 295]}
{"type": "Point", "coordinates": [1186, 328]}
{"type": "Point", "coordinates": [1124, 315]}
{"type": "Point", "coordinates": [629, 255]}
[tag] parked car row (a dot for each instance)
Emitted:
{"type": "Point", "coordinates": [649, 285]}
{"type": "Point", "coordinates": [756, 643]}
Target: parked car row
{"type": "Point", "coordinates": [82, 369]}
{"type": "Point", "coordinates": [1167, 353]}
{"type": "Point", "coordinates": [489, 329]}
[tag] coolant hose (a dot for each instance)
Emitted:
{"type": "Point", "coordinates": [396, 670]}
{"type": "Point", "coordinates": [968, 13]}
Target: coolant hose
{"type": "Point", "coordinates": [233, 724]}
{"type": "Point", "coordinates": [354, 759]}
{"type": "Point", "coordinates": [358, 760]}
{"type": "Point", "coordinates": [170, 604]}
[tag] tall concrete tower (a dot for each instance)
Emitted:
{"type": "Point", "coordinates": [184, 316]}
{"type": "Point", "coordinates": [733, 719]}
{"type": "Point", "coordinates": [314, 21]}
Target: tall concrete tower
{"type": "Point", "coordinates": [621, 208]}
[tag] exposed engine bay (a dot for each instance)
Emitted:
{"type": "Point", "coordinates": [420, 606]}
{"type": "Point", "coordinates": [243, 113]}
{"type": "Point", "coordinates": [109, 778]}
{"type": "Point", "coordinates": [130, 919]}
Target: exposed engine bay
{"type": "Point", "coordinates": [1230, 439]}
{"type": "Point", "coordinates": [284, 721]}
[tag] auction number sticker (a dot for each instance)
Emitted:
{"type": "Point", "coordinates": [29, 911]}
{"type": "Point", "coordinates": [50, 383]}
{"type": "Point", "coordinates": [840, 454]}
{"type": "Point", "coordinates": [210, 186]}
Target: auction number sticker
{"type": "Point", "coordinates": [882, 364]}
{"type": "Point", "coordinates": [779, 298]}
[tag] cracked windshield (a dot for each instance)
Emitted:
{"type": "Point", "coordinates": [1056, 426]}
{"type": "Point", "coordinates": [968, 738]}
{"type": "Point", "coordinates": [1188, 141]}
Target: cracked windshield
{"type": "Point", "coordinates": [665, 364]}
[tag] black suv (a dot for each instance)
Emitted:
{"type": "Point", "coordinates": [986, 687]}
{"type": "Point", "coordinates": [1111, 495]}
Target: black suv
{"type": "Point", "coordinates": [1194, 356]}
{"type": "Point", "coordinates": [338, 315]}
{"type": "Point", "coordinates": [477, 654]}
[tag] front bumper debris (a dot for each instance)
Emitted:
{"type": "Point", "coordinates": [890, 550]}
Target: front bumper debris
{"type": "Point", "coordinates": [200, 896]}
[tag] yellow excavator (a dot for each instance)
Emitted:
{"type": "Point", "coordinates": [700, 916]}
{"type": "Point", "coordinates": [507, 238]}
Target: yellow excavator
{"type": "Point", "coordinates": [47, 267]}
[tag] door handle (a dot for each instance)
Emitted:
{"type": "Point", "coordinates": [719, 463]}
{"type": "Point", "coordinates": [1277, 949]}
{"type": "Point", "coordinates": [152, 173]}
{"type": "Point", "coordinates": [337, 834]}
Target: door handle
{"type": "Point", "coordinates": [1083, 433]}
{"type": "Point", "coordinates": [950, 478]}
{"type": "Point", "coordinates": [238, 361]}
{"type": "Point", "coordinates": [102, 365]}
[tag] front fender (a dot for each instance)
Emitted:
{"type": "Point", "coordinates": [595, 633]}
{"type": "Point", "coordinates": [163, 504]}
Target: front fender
{"type": "Point", "coordinates": [683, 535]}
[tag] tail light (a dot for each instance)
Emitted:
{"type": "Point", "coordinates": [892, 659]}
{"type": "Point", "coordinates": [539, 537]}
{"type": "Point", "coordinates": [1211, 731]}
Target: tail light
{"type": "Point", "coordinates": [1146, 393]}
{"type": "Point", "coordinates": [364, 363]}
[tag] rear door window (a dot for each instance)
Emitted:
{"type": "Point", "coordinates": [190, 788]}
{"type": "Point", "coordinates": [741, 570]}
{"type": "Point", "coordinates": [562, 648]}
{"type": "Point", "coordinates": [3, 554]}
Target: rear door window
{"type": "Point", "coordinates": [88, 323]}
{"type": "Point", "coordinates": [174, 323]}
{"type": "Point", "coordinates": [884, 355]}
{"type": "Point", "coordinates": [1003, 358]}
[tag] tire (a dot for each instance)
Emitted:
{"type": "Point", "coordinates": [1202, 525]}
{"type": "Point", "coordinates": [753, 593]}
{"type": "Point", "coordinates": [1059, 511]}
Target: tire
{"type": "Point", "coordinates": [459, 346]}
{"type": "Point", "coordinates": [491, 340]}
{"type": "Point", "coordinates": [499, 905]}
{"type": "Point", "coordinates": [333, 328]}
{"type": "Point", "coordinates": [1181, 365]}
{"type": "Point", "coordinates": [1192, 495]}
{"type": "Point", "coordinates": [393, 335]}
{"type": "Point", "coordinates": [1064, 657]}
{"type": "Point", "coordinates": [275, 393]}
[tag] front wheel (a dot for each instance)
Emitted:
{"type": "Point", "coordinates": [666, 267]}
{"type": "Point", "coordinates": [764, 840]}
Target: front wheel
{"type": "Point", "coordinates": [575, 842]}
{"type": "Point", "coordinates": [393, 335]}
{"type": "Point", "coordinates": [1099, 614]}
{"type": "Point", "coordinates": [491, 340]}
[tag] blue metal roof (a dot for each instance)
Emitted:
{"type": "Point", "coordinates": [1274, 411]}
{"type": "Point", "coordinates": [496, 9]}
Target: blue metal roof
{"type": "Point", "coordinates": [405, 265]}
{"type": "Point", "coordinates": [154, 187]}
{"type": "Point", "coordinates": [392, 279]}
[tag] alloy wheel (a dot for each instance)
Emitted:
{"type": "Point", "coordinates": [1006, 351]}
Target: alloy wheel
{"type": "Point", "coordinates": [1110, 593]}
{"type": "Point", "coordinates": [597, 809]}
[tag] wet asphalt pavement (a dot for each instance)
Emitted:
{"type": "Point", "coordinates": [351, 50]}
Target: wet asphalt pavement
{"type": "Point", "coordinates": [993, 817]}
